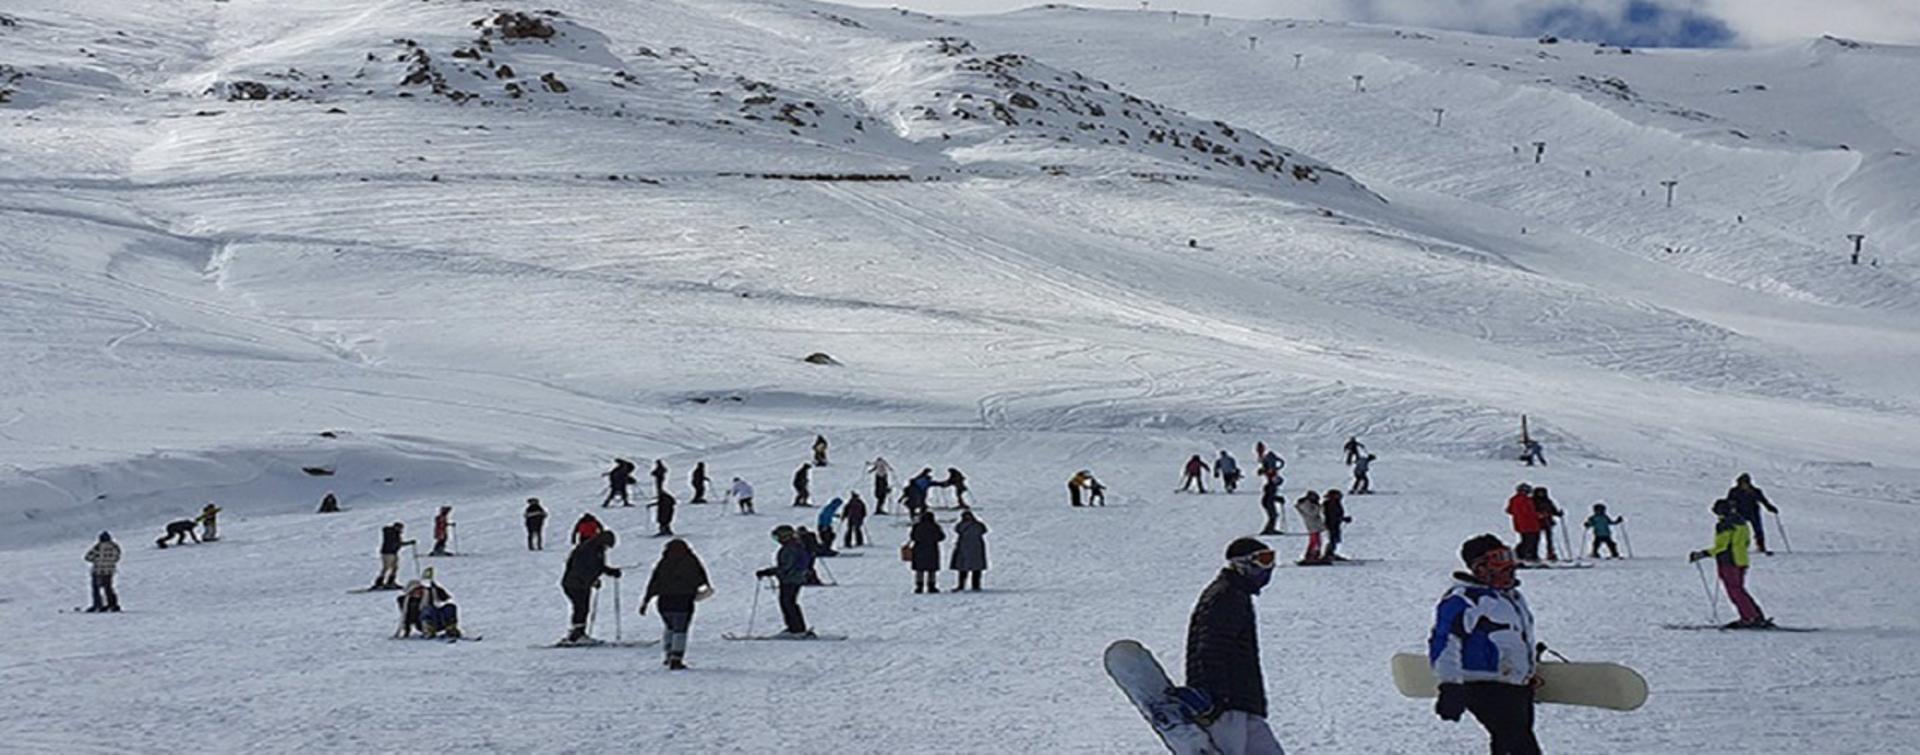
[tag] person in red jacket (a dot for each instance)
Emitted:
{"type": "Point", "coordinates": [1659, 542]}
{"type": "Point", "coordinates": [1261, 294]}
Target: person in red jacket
{"type": "Point", "coordinates": [1196, 472]}
{"type": "Point", "coordinates": [585, 529]}
{"type": "Point", "coordinates": [1526, 522]}
{"type": "Point", "coordinates": [442, 525]}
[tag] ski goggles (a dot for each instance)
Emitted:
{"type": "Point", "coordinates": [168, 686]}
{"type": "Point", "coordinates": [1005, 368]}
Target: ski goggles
{"type": "Point", "coordinates": [1262, 559]}
{"type": "Point", "coordinates": [1495, 562]}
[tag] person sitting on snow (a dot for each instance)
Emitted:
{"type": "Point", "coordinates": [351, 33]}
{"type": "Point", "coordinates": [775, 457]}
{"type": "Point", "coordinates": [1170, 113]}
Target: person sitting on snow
{"type": "Point", "coordinates": [429, 608]}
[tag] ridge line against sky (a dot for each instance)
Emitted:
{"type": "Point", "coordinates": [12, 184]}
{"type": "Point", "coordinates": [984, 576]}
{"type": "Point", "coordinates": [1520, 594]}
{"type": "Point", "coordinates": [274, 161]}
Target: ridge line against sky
{"type": "Point", "coordinates": [1638, 23]}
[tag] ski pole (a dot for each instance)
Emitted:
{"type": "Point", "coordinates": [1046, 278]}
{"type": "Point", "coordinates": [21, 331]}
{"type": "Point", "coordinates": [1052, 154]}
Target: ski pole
{"type": "Point", "coordinates": [414, 548]}
{"type": "Point", "coordinates": [1782, 525]}
{"type": "Point", "coordinates": [1626, 538]}
{"type": "Point", "coordinates": [1713, 607]}
{"type": "Point", "coordinates": [593, 610]}
{"type": "Point", "coordinates": [1542, 649]}
{"type": "Point", "coordinates": [1566, 536]}
{"type": "Point", "coordinates": [758, 585]}
{"type": "Point", "coordinates": [456, 536]}
{"type": "Point", "coordinates": [832, 580]}
{"type": "Point", "coordinates": [617, 634]}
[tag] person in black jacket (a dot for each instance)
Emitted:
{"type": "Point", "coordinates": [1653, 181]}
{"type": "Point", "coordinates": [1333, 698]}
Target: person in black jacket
{"type": "Point", "coordinates": [699, 483]}
{"type": "Point", "coordinates": [926, 536]}
{"type": "Point", "coordinates": [585, 565]}
{"type": "Point", "coordinates": [659, 477]}
{"type": "Point", "coordinates": [1747, 501]}
{"type": "Point", "coordinates": [618, 480]}
{"type": "Point", "coordinates": [802, 481]}
{"type": "Point", "coordinates": [390, 545]}
{"type": "Point", "coordinates": [855, 515]}
{"type": "Point", "coordinates": [791, 566]}
{"type": "Point", "coordinates": [663, 513]}
{"type": "Point", "coordinates": [1337, 520]}
{"type": "Point", "coordinates": [1223, 652]}
{"type": "Point", "coordinates": [678, 580]}
{"type": "Point", "coordinates": [536, 518]}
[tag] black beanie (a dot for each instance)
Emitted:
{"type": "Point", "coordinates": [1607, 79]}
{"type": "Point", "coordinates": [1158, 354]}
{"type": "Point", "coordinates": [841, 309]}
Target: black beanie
{"type": "Point", "coordinates": [1472, 550]}
{"type": "Point", "coordinates": [1245, 546]}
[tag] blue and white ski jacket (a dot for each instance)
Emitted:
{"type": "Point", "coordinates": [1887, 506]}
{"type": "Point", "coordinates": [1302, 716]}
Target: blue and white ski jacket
{"type": "Point", "coordinates": [1481, 634]}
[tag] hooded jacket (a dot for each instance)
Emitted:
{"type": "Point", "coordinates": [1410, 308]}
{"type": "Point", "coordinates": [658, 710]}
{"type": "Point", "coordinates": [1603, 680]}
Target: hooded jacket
{"type": "Point", "coordinates": [1481, 634]}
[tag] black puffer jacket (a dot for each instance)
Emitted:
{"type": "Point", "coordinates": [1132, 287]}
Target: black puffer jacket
{"type": "Point", "coordinates": [1223, 646]}
{"type": "Point", "coordinates": [588, 561]}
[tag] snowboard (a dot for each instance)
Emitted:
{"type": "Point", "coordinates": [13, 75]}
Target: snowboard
{"type": "Point", "coordinates": [817, 637]}
{"type": "Point", "coordinates": [1133, 667]}
{"type": "Point", "coordinates": [1593, 685]}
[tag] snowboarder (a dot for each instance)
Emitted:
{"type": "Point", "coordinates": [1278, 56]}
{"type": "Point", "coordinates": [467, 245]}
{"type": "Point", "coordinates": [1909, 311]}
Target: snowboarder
{"type": "Point", "coordinates": [882, 483]}
{"type": "Point", "coordinates": [958, 482]}
{"type": "Point", "coordinates": [1361, 466]}
{"type": "Point", "coordinates": [855, 515]}
{"type": "Point", "coordinates": [618, 480]}
{"type": "Point", "coordinates": [1335, 511]}
{"type": "Point", "coordinates": [1747, 501]}
{"type": "Point", "coordinates": [1078, 482]}
{"type": "Point", "coordinates": [1270, 500]}
{"type": "Point", "coordinates": [209, 520]}
{"type": "Point", "coordinates": [427, 607]}
{"type": "Point", "coordinates": [791, 566]}
{"type": "Point", "coordinates": [663, 513]}
{"type": "Point", "coordinates": [1223, 652]}
{"type": "Point", "coordinates": [699, 481]}
{"type": "Point", "coordinates": [1602, 526]}
{"type": "Point", "coordinates": [178, 532]}
{"type": "Point", "coordinates": [742, 494]}
{"type": "Point", "coordinates": [825, 523]}
{"type": "Point", "coordinates": [1548, 513]}
{"type": "Point", "coordinates": [329, 504]}
{"type": "Point", "coordinates": [819, 450]}
{"type": "Point", "coordinates": [925, 539]}
{"type": "Point", "coordinates": [442, 529]}
{"type": "Point", "coordinates": [1531, 452]}
{"type": "Point", "coordinates": [659, 477]}
{"type": "Point", "coordinates": [802, 481]}
{"type": "Point", "coordinates": [678, 581]}
{"type": "Point", "coordinates": [1482, 648]}
{"type": "Point", "coordinates": [585, 529]}
{"type": "Point", "coordinates": [969, 550]}
{"type": "Point", "coordinates": [1228, 470]}
{"type": "Point", "coordinates": [585, 565]}
{"type": "Point", "coordinates": [1732, 535]}
{"type": "Point", "coordinates": [1314, 516]}
{"type": "Point", "coordinates": [536, 518]}
{"type": "Point", "coordinates": [1526, 522]}
{"type": "Point", "coordinates": [390, 545]}
{"type": "Point", "coordinates": [105, 557]}
{"type": "Point", "coordinates": [1353, 448]}
{"type": "Point", "coordinates": [1195, 475]}
{"type": "Point", "coordinates": [914, 497]}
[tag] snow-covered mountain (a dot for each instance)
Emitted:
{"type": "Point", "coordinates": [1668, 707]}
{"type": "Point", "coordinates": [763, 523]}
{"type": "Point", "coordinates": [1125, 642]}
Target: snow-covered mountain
{"type": "Point", "coordinates": [419, 252]}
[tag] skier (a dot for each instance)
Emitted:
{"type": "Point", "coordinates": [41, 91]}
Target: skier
{"type": "Point", "coordinates": [1353, 448]}
{"type": "Point", "coordinates": [1361, 484]}
{"type": "Point", "coordinates": [659, 477]}
{"type": "Point", "coordinates": [663, 513]}
{"type": "Point", "coordinates": [1195, 475]}
{"type": "Point", "coordinates": [1096, 492]}
{"type": "Point", "coordinates": [209, 520]}
{"type": "Point", "coordinates": [1526, 522]}
{"type": "Point", "coordinates": [585, 565]}
{"type": "Point", "coordinates": [969, 550]}
{"type": "Point", "coordinates": [825, 523]}
{"type": "Point", "coordinates": [105, 557]}
{"type": "Point", "coordinates": [428, 607]}
{"type": "Point", "coordinates": [1531, 452]}
{"type": "Point", "coordinates": [958, 482]}
{"type": "Point", "coordinates": [678, 581]}
{"type": "Point", "coordinates": [1335, 510]}
{"type": "Point", "coordinates": [1731, 537]}
{"type": "Point", "coordinates": [1223, 652]}
{"type": "Point", "coordinates": [1314, 516]}
{"type": "Point", "coordinates": [801, 481]}
{"type": "Point", "coordinates": [442, 529]}
{"type": "Point", "coordinates": [1228, 470]}
{"type": "Point", "coordinates": [1482, 648]}
{"type": "Point", "coordinates": [390, 545]}
{"type": "Point", "coordinates": [1602, 526]}
{"type": "Point", "coordinates": [536, 518]}
{"type": "Point", "coordinates": [791, 567]}
{"type": "Point", "coordinates": [178, 532]}
{"type": "Point", "coordinates": [618, 480]}
{"type": "Point", "coordinates": [882, 483]}
{"type": "Point", "coordinates": [699, 481]}
{"type": "Point", "coordinates": [1075, 484]}
{"type": "Point", "coordinates": [914, 497]}
{"type": "Point", "coordinates": [742, 495]}
{"type": "Point", "coordinates": [329, 504]}
{"type": "Point", "coordinates": [1271, 464]}
{"type": "Point", "coordinates": [585, 529]}
{"type": "Point", "coordinates": [855, 515]}
{"type": "Point", "coordinates": [819, 450]}
{"type": "Point", "coordinates": [925, 540]}
{"type": "Point", "coordinates": [1548, 513]}
{"type": "Point", "coordinates": [1270, 500]}
{"type": "Point", "coordinates": [1747, 501]}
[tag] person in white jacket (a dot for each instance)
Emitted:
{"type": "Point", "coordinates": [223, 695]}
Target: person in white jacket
{"type": "Point", "coordinates": [742, 494]}
{"type": "Point", "coordinates": [1314, 516]}
{"type": "Point", "coordinates": [105, 557]}
{"type": "Point", "coordinates": [1482, 648]}
{"type": "Point", "coordinates": [882, 482]}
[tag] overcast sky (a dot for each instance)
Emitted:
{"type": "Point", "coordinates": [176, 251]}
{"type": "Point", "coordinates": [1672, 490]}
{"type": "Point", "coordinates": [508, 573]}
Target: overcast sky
{"type": "Point", "coordinates": [1674, 23]}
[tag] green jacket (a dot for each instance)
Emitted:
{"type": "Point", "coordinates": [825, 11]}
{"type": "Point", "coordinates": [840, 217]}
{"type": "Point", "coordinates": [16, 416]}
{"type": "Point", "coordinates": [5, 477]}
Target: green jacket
{"type": "Point", "coordinates": [1730, 543]}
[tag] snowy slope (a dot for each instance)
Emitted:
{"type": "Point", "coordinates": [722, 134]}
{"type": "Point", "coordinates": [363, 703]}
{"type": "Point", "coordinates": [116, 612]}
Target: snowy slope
{"type": "Point", "coordinates": [256, 251]}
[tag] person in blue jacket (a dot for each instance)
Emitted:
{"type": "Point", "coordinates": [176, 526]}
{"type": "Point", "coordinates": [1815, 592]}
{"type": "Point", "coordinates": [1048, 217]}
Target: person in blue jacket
{"type": "Point", "coordinates": [825, 522]}
{"type": "Point", "coordinates": [1482, 648]}
{"type": "Point", "coordinates": [1228, 470]}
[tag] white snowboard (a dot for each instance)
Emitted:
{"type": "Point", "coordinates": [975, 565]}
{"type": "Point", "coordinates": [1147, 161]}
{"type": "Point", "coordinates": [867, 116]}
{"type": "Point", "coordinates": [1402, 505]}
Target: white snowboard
{"type": "Point", "coordinates": [1146, 685]}
{"type": "Point", "coordinates": [1593, 685]}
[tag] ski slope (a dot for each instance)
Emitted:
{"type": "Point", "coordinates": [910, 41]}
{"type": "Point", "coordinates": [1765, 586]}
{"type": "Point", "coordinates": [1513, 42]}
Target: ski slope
{"type": "Point", "coordinates": [1035, 242]}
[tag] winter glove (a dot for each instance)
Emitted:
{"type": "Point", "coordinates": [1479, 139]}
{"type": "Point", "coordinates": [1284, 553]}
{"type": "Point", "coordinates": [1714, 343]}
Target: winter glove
{"type": "Point", "coordinates": [615, 573]}
{"type": "Point", "coordinates": [1452, 702]}
{"type": "Point", "coordinates": [764, 573]}
{"type": "Point", "coordinates": [1696, 556]}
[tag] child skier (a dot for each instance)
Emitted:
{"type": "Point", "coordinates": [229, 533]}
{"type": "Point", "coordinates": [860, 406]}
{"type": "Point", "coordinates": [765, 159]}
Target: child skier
{"type": "Point", "coordinates": [1361, 466]}
{"type": "Point", "coordinates": [1223, 652]}
{"type": "Point", "coordinates": [824, 523]}
{"type": "Point", "coordinates": [618, 480]}
{"type": "Point", "coordinates": [742, 495]}
{"type": "Point", "coordinates": [1732, 535]}
{"type": "Point", "coordinates": [105, 557]}
{"type": "Point", "coordinates": [1482, 648]}
{"type": "Point", "coordinates": [178, 532]}
{"type": "Point", "coordinates": [1602, 526]}
{"type": "Point", "coordinates": [679, 580]}
{"type": "Point", "coordinates": [442, 529]}
{"type": "Point", "coordinates": [1195, 475]}
{"type": "Point", "coordinates": [1314, 515]}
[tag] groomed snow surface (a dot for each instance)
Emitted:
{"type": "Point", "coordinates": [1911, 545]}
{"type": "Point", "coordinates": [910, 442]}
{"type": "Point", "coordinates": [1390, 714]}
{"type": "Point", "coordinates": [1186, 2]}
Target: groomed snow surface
{"type": "Point", "coordinates": [485, 253]}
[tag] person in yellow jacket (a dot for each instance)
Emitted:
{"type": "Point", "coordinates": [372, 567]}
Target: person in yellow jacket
{"type": "Point", "coordinates": [1732, 537]}
{"type": "Point", "coordinates": [209, 523]}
